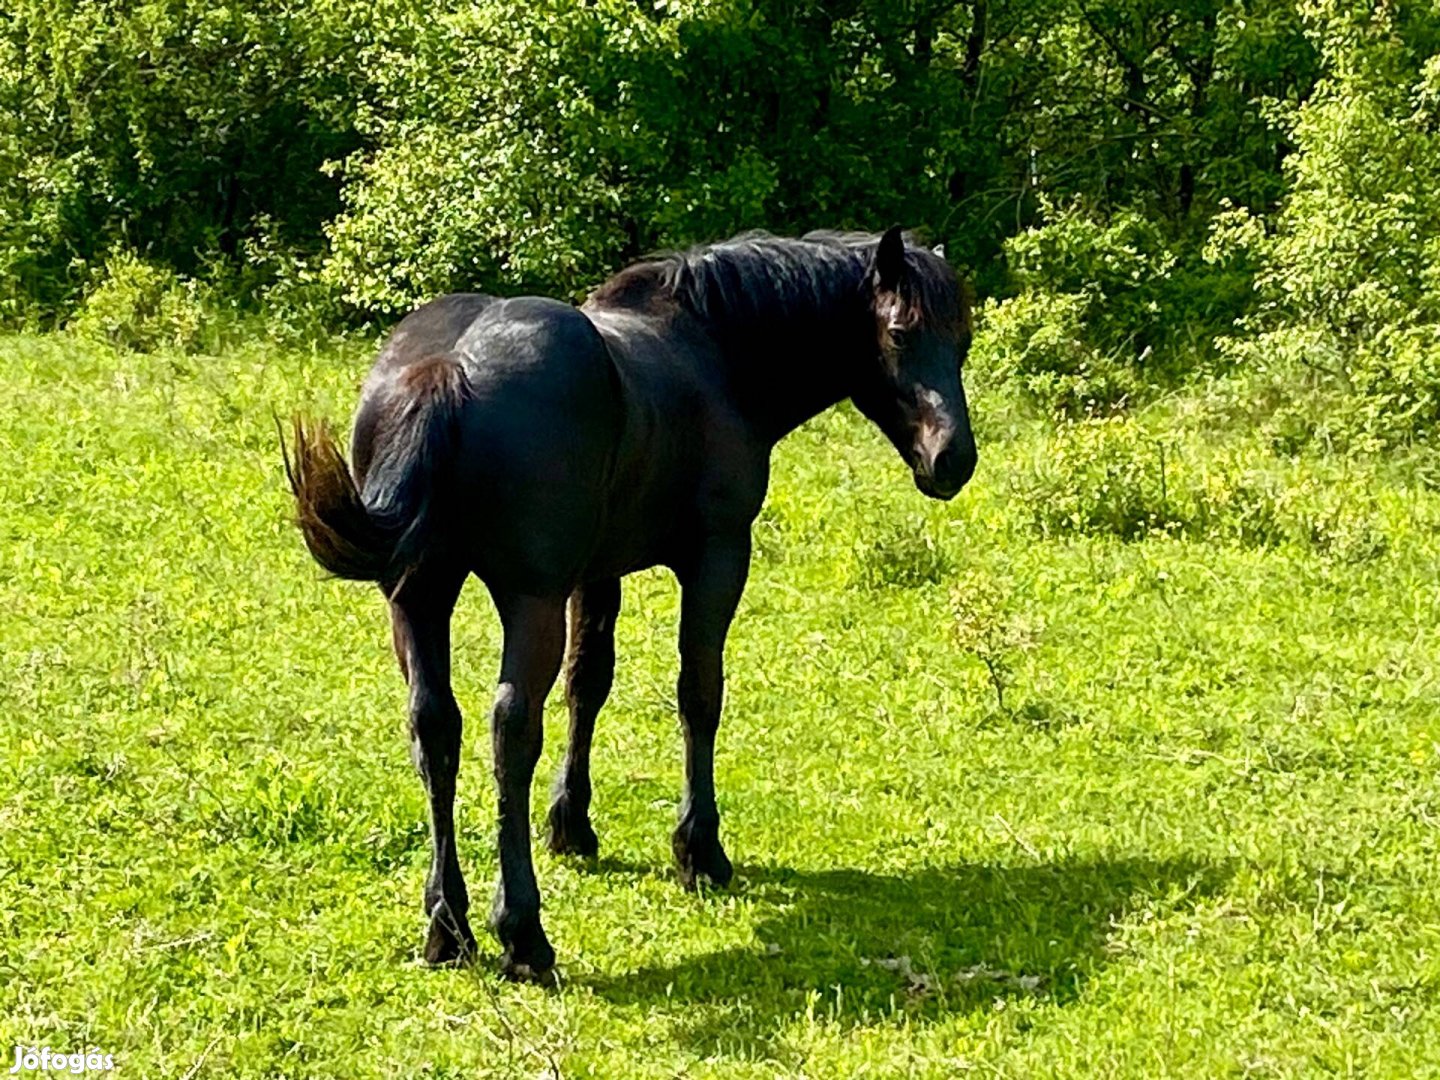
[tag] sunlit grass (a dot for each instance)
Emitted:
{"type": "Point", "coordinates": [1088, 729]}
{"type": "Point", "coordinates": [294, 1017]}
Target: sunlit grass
{"type": "Point", "coordinates": [1197, 838]}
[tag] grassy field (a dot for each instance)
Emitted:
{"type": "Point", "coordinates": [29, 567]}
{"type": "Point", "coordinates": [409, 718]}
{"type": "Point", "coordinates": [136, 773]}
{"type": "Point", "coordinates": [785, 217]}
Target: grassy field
{"type": "Point", "coordinates": [1197, 838]}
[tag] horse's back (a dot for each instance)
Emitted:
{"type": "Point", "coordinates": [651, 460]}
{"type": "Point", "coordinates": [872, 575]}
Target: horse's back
{"type": "Point", "coordinates": [538, 430]}
{"type": "Point", "coordinates": [529, 342]}
{"type": "Point", "coordinates": [432, 329]}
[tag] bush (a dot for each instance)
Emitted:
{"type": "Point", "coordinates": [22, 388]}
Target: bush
{"type": "Point", "coordinates": [896, 556]}
{"type": "Point", "coordinates": [139, 306]}
{"type": "Point", "coordinates": [414, 147]}
{"type": "Point", "coordinates": [541, 147]}
{"type": "Point", "coordinates": [1106, 476]}
{"type": "Point", "coordinates": [1397, 377]}
{"type": "Point", "coordinates": [1112, 476]}
{"type": "Point", "coordinates": [168, 128]}
{"type": "Point", "coordinates": [1108, 308]}
{"type": "Point", "coordinates": [987, 625]}
{"type": "Point", "coordinates": [1350, 278]}
{"type": "Point", "coordinates": [1039, 342]}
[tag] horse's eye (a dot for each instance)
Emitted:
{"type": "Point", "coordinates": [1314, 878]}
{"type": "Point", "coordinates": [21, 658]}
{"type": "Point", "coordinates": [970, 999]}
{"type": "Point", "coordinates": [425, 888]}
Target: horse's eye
{"type": "Point", "coordinates": [899, 336]}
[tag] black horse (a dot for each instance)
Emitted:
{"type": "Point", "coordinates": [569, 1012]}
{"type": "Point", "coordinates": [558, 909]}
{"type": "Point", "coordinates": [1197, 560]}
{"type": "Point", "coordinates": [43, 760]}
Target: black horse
{"type": "Point", "coordinates": [551, 450]}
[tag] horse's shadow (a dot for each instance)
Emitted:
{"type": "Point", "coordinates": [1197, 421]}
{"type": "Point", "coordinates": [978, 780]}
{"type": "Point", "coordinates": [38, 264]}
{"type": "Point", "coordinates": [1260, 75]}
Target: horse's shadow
{"type": "Point", "coordinates": [852, 948]}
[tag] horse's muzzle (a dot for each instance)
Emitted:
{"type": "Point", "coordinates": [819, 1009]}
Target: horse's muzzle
{"type": "Point", "coordinates": [942, 476]}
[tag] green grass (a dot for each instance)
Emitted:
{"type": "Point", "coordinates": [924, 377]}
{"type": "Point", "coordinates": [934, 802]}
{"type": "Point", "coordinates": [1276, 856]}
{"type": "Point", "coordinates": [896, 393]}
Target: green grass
{"type": "Point", "coordinates": [1200, 838]}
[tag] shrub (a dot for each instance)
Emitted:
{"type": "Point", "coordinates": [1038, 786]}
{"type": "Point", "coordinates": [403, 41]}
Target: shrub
{"type": "Point", "coordinates": [172, 128]}
{"type": "Point", "coordinates": [895, 556]}
{"type": "Point", "coordinates": [1350, 278]}
{"type": "Point", "coordinates": [1104, 475]}
{"type": "Point", "coordinates": [140, 306]}
{"type": "Point", "coordinates": [416, 146]}
{"type": "Point", "coordinates": [1039, 342]}
{"type": "Point", "coordinates": [988, 627]}
{"type": "Point", "coordinates": [1397, 376]}
{"type": "Point", "coordinates": [1108, 308]}
{"type": "Point", "coordinates": [1111, 476]}
{"type": "Point", "coordinates": [1362, 396]}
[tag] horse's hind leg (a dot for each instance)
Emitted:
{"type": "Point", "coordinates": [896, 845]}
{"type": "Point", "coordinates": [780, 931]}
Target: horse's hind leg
{"type": "Point", "coordinates": [534, 642]}
{"type": "Point", "coordinates": [420, 617]}
{"type": "Point", "coordinates": [589, 669]}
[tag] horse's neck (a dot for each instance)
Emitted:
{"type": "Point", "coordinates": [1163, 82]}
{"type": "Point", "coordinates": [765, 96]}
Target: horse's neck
{"type": "Point", "coordinates": [783, 380]}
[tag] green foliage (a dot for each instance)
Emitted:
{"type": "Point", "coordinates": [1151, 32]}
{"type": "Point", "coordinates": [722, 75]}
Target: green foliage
{"type": "Point", "coordinates": [1115, 476]}
{"type": "Point", "coordinates": [1038, 340]}
{"type": "Point", "coordinates": [543, 146]}
{"type": "Point", "coordinates": [137, 305]}
{"type": "Point", "coordinates": [1396, 375]}
{"type": "Point", "coordinates": [171, 128]}
{"type": "Point", "coordinates": [1349, 278]}
{"type": "Point", "coordinates": [1109, 309]}
{"type": "Point", "coordinates": [897, 555]}
{"type": "Point", "coordinates": [416, 147]}
{"type": "Point", "coordinates": [1104, 476]}
{"type": "Point", "coordinates": [988, 627]}
{"type": "Point", "coordinates": [1333, 299]}
{"type": "Point", "coordinates": [1356, 244]}
{"type": "Point", "coordinates": [493, 160]}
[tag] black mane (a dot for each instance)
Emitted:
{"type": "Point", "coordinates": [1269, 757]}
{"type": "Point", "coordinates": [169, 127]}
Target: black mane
{"type": "Point", "coordinates": [758, 278]}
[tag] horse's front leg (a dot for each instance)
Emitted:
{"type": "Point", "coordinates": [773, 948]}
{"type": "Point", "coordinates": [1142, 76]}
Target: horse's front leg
{"type": "Point", "coordinates": [709, 596]}
{"type": "Point", "coordinates": [534, 641]}
{"type": "Point", "coordinates": [420, 621]}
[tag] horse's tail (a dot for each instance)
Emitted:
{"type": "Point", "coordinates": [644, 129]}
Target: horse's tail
{"type": "Point", "coordinates": [380, 533]}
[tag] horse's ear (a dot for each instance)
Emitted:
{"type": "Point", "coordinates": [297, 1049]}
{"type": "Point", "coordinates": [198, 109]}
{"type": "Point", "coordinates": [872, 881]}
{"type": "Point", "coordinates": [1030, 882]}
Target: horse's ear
{"type": "Point", "coordinates": [890, 260]}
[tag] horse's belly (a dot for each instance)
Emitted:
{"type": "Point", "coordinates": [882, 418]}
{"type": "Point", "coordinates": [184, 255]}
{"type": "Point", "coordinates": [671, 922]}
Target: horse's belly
{"type": "Point", "coordinates": [626, 551]}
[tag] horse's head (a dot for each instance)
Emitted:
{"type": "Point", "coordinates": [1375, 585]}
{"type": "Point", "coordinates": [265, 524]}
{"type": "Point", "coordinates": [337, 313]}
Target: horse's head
{"type": "Point", "coordinates": [912, 391]}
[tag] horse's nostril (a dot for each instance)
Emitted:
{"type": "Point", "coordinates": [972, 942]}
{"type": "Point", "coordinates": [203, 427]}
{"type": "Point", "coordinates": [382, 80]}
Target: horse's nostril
{"type": "Point", "coordinates": [947, 465]}
{"type": "Point", "coordinates": [960, 467]}
{"type": "Point", "coordinates": [947, 473]}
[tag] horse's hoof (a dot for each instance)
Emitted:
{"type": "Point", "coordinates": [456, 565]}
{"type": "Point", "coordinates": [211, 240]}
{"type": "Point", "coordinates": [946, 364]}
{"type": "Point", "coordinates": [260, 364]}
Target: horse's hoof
{"type": "Point", "coordinates": [521, 972]}
{"type": "Point", "coordinates": [698, 854]}
{"type": "Point", "coordinates": [450, 942]}
{"type": "Point", "coordinates": [570, 833]}
{"type": "Point", "coordinates": [527, 955]}
{"type": "Point", "coordinates": [534, 964]}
